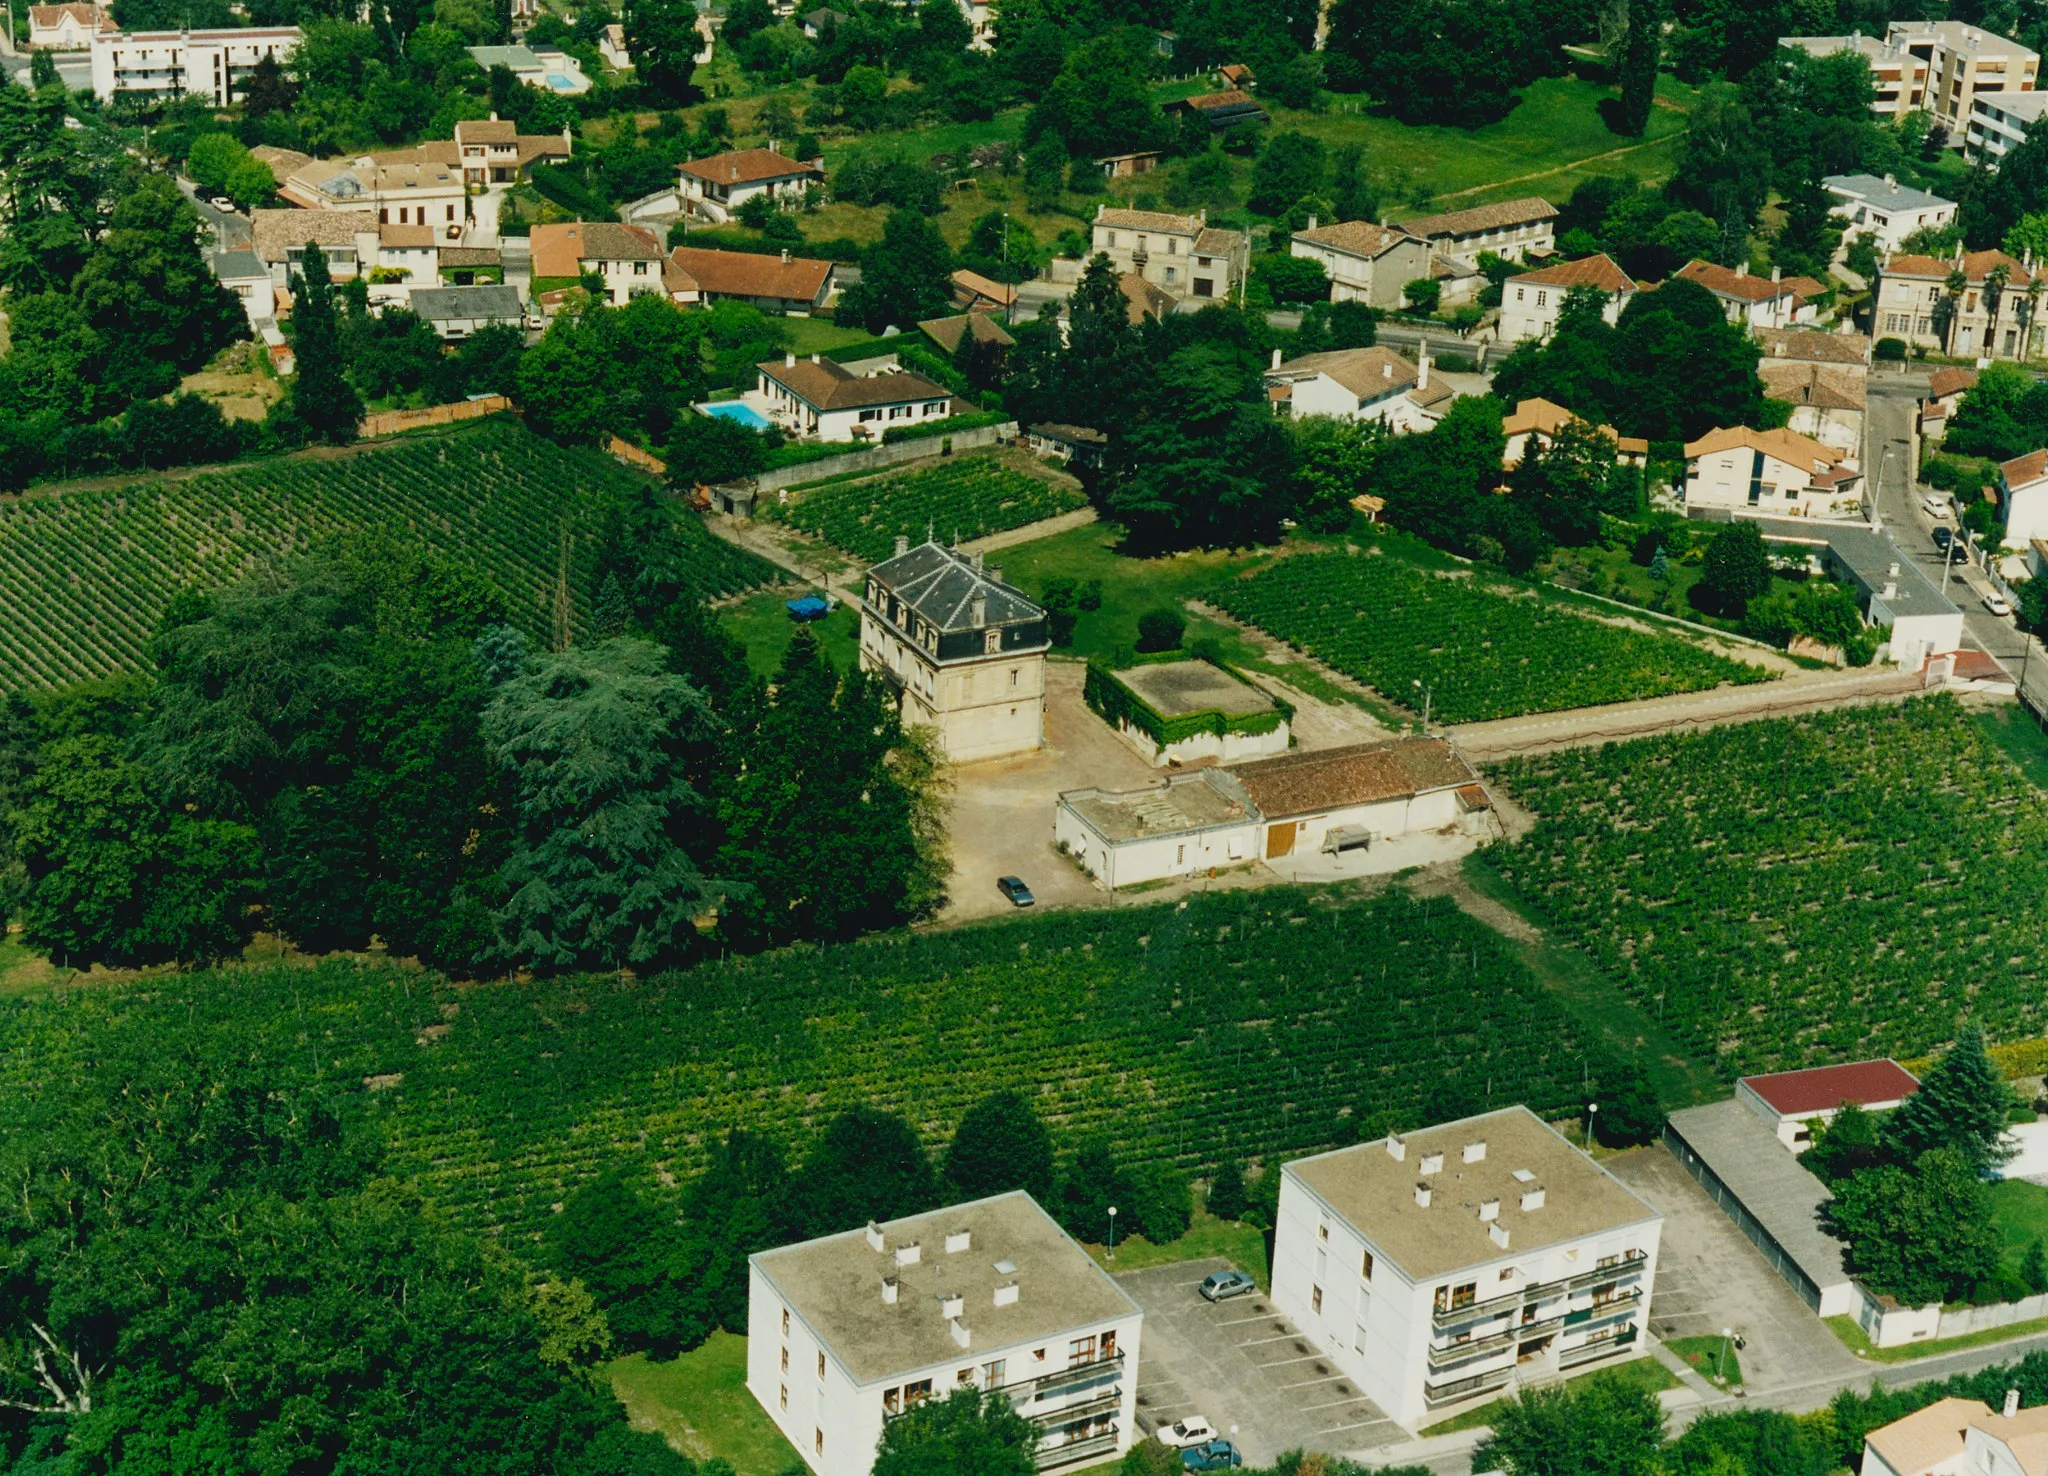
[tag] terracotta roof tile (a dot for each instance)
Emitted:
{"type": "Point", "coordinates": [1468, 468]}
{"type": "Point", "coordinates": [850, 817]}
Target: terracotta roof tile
{"type": "Point", "coordinates": [751, 274]}
{"type": "Point", "coordinates": [1824, 1088]}
{"type": "Point", "coordinates": [1814, 346]}
{"type": "Point", "coordinates": [749, 166]}
{"type": "Point", "coordinates": [1944, 382]}
{"type": "Point", "coordinates": [947, 333]}
{"type": "Point", "coordinates": [1976, 265]}
{"type": "Point", "coordinates": [1149, 220]}
{"type": "Point", "coordinates": [829, 386]}
{"type": "Point", "coordinates": [275, 232]}
{"type": "Point", "coordinates": [1482, 218]}
{"type": "Point", "coordinates": [1366, 372]}
{"type": "Point", "coordinates": [1356, 237]}
{"type": "Point", "coordinates": [1587, 271]}
{"type": "Point", "coordinates": [1823, 386]}
{"type": "Point", "coordinates": [1298, 784]}
{"type": "Point", "coordinates": [1788, 446]}
{"type": "Point", "coordinates": [1727, 282]}
{"type": "Point", "coordinates": [2024, 469]}
{"type": "Point", "coordinates": [559, 249]}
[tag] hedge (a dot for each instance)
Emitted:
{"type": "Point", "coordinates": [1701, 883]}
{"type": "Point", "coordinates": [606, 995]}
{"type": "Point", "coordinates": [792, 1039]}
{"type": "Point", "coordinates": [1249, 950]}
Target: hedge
{"type": "Point", "coordinates": [945, 426]}
{"type": "Point", "coordinates": [1117, 704]}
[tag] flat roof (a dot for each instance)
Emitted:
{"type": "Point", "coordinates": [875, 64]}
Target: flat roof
{"type": "Point", "coordinates": [1182, 803]}
{"type": "Point", "coordinates": [1869, 554]}
{"type": "Point", "coordinates": [1375, 1192]}
{"type": "Point", "coordinates": [835, 1284]}
{"type": "Point", "coordinates": [1178, 688]}
{"type": "Point", "coordinates": [1883, 192]}
{"type": "Point", "coordinates": [1779, 1193]}
{"type": "Point", "coordinates": [1824, 1088]}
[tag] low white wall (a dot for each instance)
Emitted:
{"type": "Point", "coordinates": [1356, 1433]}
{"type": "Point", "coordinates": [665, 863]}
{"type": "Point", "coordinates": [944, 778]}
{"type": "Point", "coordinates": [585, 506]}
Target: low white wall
{"type": "Point", "coordinates": [1898, 1325]}
{"type": "Point", "coordinates": [2031, 1161]}
{"type": "Point", "coordinates": [1225, 748]}
{"type": "Point", "coordinates": [1957, 1321]}
{"type": "Point", "coordinates": [875, 458]}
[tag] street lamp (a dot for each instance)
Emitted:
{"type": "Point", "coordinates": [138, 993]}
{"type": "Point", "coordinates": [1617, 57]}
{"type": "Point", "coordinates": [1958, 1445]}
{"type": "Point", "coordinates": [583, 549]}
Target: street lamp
{"type": "Point", "coordinates": [1592, 1111]}
{"type": "Point", "coordinates": [1428, 693]}
{"type": "Point", "coordinates": [1721, 1363]}
{"type": "Point", "coordinates": [1112, 1232]}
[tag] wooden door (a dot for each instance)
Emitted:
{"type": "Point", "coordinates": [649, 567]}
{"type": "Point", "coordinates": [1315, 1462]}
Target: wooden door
{"type": "Point", "coordinates": [1280, 840]}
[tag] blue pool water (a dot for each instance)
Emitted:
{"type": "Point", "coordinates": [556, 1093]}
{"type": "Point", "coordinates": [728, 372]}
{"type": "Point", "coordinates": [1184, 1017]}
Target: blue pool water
{"type": "Point", "coordinates": [745, 414]}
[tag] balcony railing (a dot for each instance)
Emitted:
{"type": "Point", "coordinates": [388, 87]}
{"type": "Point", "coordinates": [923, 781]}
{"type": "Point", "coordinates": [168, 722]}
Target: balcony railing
{"type": "Point", "coordinates": [1071, 1377]}
{"type": "Point", "coordinates": [1539, 1291]}
{"type": "Point", "coordinates": [1466, 1388]}
{"type": "Point", "coordinates": [1066, 1414]}
{"type": "Point", "coordinates": [1051, 1456]}
{"type": "Point", "coordinates": [1600, 1348]}
{"type": "Point", "coordinates": [1448, 1354]}
{"type": "Point", "coordinates": [1619, 1302]}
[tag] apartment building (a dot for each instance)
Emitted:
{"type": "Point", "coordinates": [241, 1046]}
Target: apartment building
{"type": "Point", "coordinates": [1887, 209]}
{"type": "Point", "coordinates": [1939, 67]}
{"type": "Point", "coordinates": [1775, 473]}
{"type": "Point", "coordinates": [1999, 123]}
{"type": "Point", "coordinates": [1530, 303]}
{"type": "Point", "coordinates": [964, 651]}
{"type": "Point", "coordinates": [1988, 317]}
{"type": "Point", "coordinates": [1513, 229]}
{"type": "Point", "coordinates": [848, 1332]}
{"type": "Point", "coordinates": [1901, 78]}
{"type": "Point", "coordinates": [1446, 1266]}
{"type": "Point", "coordinates": [170, 64]}
{"type": "Point", "coordinates": [1182, 254]}
{"type": "Point", "coordinates": [1365, 262]}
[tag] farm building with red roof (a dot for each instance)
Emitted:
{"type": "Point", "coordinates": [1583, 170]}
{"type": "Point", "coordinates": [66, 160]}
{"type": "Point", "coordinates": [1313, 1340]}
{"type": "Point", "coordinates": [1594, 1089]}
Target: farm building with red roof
{"type": "Point", "coordinates": [1791, 1101]}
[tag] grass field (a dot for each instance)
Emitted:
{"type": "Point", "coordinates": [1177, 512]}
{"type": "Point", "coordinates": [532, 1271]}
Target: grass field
{"type": "Point", "coordinates": [1715, 1358]}
{"type": "Point", "coordinates": [84, 575]}
{"type": "Point", "coordinates": [1854, 1339]}
{"type": "Point", "coordinates": [2020, 1211]}
{"type": "Point", "coordinates": [761, 623]}
{"type": "Point", "coordinates": [700, 1404]}
{"type": "Point", "coordinates": [1244, 1246]}
{"type": "Point", "coordinates": [1787, 893]}
{"type": "Point", "coordinates": [955, 499]}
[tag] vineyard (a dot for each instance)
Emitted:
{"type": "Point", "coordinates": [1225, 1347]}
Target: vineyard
{"type": "Point", "coordinates": [1485, 651]}
{"type": "Point", "coordinates": [1788, 893]}
{"type": "Point", "coordinates": [953, 499]}
{"type": "Point", "coordinates": [85, 575]}
{"type": "Point", "coordinates": [1242, 1023]}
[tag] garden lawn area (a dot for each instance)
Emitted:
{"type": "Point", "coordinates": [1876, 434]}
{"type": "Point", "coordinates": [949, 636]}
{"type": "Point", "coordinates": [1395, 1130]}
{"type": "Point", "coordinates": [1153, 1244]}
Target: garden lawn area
{"type": "Point", "coordinates": [1787, 893]}
{"type": "Point", "coordinates": [1710, 1356]}
{"type": "Point", "coordinates": [23, 971]}
{"type": "Point", "coordinates": [955, 499]}
{"type": "Point", "coordinates": [761, 623]}
{"type": "Point", "coordinates": [699, 1403]}
{"type": "Point", "coordinates": [1854, 1339]}
{"type": "Point", "coordinates": [1244, 1246]}
{"type": "Point", "coordinates": [2020, 1210]}
{"type": "Point", "coordinates": [1478, 644]}
{"type": "Point", "coordinates": [818, 335]}
{"type": "Point", "coordinates": [1644, 1373]}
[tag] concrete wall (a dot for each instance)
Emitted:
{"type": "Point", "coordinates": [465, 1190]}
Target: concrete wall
{"type": "Point", "coordinates": [1224, 748]}
{"type": "Point", "coordinates": [390, 422]}
{"type": "Point", "coordinates": [878, 458]}
{"type": "Point", "coordinates": [1184, 853]}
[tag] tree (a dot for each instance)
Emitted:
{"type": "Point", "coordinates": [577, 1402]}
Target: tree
{"type": "Point", "coordinates": [712, 449]}
{"type": "Point", "coordinates": [662, 37]}
{"type": "Point", "coordinates": [1736, 570]}
{"type": "Point", "coordinates": [609, 1239]}
{"type": "Point", "coordinates": [1638, 68]}
{"type": "Point", "coordinates": [1598, 1427]}
{"type": "Point", "coordinates": [971, 1432]}
{"type": "Point", "coordinates": [1290, 166]}
{"type": "Point", "coordinates": [1423, 294]}
{"type": "Point", "coordinates": [1149, 1457]}
{"type": "Point", "coordinates": [1089, 1183]}
{"type": "Point", "coordinates": [1291, 279]}
{"type": "Point", "coordinates": [1751, 1441]}
{"type": "Point", "coordinates": [607, 865]}
{"type": "Point", "coordinates": [322, 398]}
{"type": "Point", "coordinates": [1849, 1143]}
{"type": "Point", "coordinates": [1001, 1145]}
{"type": "Point", "coordinates": [866, 1165]}
{"type": "Point", "coordinates": [1161, 630]}
{"type": "Point", "coordinates": [1226, 1200]}
{"type": "Point", "coordinates": [1920, 1232]}
{"type": "Point", "coordinates": [1962, 1104]}
{"type": "Point", "coordinates": [1101, 101]}
{"type": "Point", "coordinates": [2034, 1268]}
{"type": "Point", "coordinates": [905, 277]}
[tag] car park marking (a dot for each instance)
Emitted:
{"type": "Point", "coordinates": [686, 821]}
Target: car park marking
{"type": "Point", "coordinates": [1333, 1404]}
{"type": "Point", "coordinates": [1277, 1338]}
{"type": "Point", "coordinates": [1304, 1358]}
{"type": "Point", "coordinates": [1240, 1321]}
{"type": "Point", "coordinates": [1311, 1383]}
{"type": "Point", "coordinates": [1361, 1425]}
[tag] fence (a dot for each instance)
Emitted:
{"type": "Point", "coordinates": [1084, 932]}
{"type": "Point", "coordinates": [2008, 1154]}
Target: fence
{"type": "Point", "coordinates": [1958, 1322]}
{"type": "Point", "coordinates": [877, 457]}
{"type": "Point", "coordinates": [391, 422]}
{"type": "Point", "coordinates": [632, 455]}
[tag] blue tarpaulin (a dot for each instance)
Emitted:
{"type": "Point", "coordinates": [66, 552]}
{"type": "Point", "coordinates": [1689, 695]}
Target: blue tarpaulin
{"type": "Point", "coordinates": [810, 607]}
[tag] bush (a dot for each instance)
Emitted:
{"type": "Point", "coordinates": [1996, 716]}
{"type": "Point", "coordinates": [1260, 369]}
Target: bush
{"type": "Point", "coordinates": [1423, 294]}
{"type": "Point", "coordinates": [1891, 350]}
{"type": "Point", "coordinates": [1161, 630]}
{"type": "Point", "coordinates": [1226, 1198]}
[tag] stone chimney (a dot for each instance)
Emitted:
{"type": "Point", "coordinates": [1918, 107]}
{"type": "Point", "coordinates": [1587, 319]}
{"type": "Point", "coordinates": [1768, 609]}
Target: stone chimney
{"type": "Point", "coordinates": [891, 1288]}
{"type": "Point", "coordinates": [874, 1237]}
{"type": "Point", "coordinates": [902, 547]}
{"type": "Point", "coordinates": [1742, 269]}
{"type": "Point", "coordinates": [995, 573]}
{"type": "Point", "coordinates": [1891, 182]}
{"type": "Point", "coordinates": [785, 256]}
{"type": "Point", "coordinates": [1311, 223]}
{"type": "Point", "coordinates": [978, 611]}
{"type": "Point", "coordinates": [789, 361]}
{"type": "Point", "coordinates": [1276, 358]}
{"type": "Point", "coordinates": [2012, 1403]}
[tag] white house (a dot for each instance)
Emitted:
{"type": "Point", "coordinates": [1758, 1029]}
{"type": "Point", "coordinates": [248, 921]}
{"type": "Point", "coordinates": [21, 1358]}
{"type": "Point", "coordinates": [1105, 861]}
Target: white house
{"type": "Point", "coordinates": [67, 27]}
{"type": "Point", "coordinates": [1961, 1437]}
{"type": "Point", "coordinates": [411, 249]}
{"type": "Point", "coordinates": [1539, 421]}
{"type": "Point", "coordinates": [626, 259]}
{"type": "Point", "coordinates": [1530, 303]}
{"type": "Point", "coordinates": [1514, 230]}
{"type": "Point", "coordinates": [1999, 122]}
{"type": "Point", "coordinates": [1884, 206]}
{"type": "Point", "coordinates": [2023, 496]}
{"type": "Point", "coordinates": [849, 1331]}
{"type": "Point", "coordinates": [1891, 590]}
{"type": "Point", "coordinates": [612, 47]}
{"type": "Point", "coordinates": [454, 313]}
{"type": "Point", "coordinates": [1828, 400]}
{"type": "Point", "coordinates": [548, 70]}
{"type": "Point", "coordinates": [716, 187]}
{"type": "Point", "coordinates": [1442, 1267]}
{"type": "Point", "coordinates": [403, 188]}
{"type": "Point", "coordinates": [824, 401]}
{"type": "Point", "coordinates": [347, 239]}
{"type": "Point", "coordinates": [243, 273]}
{"type": "Point", "coordinates": [205, 64]}
{"type": "Point", "coordinates": [1365, 262]}
{"type": "Point", "coordinates": [1778, 303]}
{"type": "Point", "coordinates": [963, 652]}
{"type": "Point", "coordinates": [1183, 254]}
{"type": "Point", "coordinates": [1299, 804]}
{"type": "Point", "coordinates": [1360, 384]}
{"type": "Point", "coordinates": [1792, 1101]}
{"type": "Point", "coordinates": [1775, 473]}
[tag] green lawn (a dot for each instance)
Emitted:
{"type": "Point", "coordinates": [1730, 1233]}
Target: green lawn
{"type": "Point", "coordinates": [1644, 1373]}
{"type": "Point", "coordinates": [2020, 1210]}
{"type": "Point", "coordinates": [1244, 1246]}
{"type": "Point", "coordinates": [23, 971]}
{"type": "Point", "coordinates": [700, 1404]}
{"type": "Point", "coordinates": [1856, 1342]}
{"type": "Point", "coordinates": [1711, 1356]}
{"type": "Point", "coordinates": [819, 335]}
{"type": "Point", "coordinates": [762, 624]}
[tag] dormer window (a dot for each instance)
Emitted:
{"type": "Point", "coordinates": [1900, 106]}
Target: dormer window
{"type": "Point", "coordinates": [992, 642]}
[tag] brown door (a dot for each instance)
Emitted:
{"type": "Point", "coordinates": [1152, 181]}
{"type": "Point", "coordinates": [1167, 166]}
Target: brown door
{"type": "Point", "coordinates": [1280, 840]}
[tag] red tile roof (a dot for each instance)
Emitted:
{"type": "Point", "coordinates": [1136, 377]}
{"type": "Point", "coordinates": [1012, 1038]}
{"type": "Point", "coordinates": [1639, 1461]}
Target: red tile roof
{"type": "Point", "coordinates": [1976, 265]}
{"type": "Point", "coordinates": [1588, 271]}
{"type": "Point", "coordinates": [2022, 470]}
{"type": "Point", "coordinates": [751, 274]}
{"type": "Point", "coordinates": [1944, 382]}
{"type": "Point", "coordinates": [749, 166]}
{"type": "Point", "coordinates": [1824, 1088]}
{"type": "Point", "coordinates": [1727, 282]}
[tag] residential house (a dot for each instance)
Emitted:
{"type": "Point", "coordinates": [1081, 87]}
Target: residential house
{"type": "Point", "coordinates": [1220, 110]}
{"type": "Point", "coordinates": [716, 187]}
{"type": "Point", "coordinates": [454, 313]}
{"type": "Point", "coordinates": [817, 22]}
{"type": "Point", "coordinates": [492, 152]}
{"type": "Point", "coordinates": [67, 27]}
{"type": "Point", "coordinates": [1750, 300]}
{"type": "Point", "coordinates": [549, 70]}
{"type": "Point", "coordinates": [850, 1331]}
{"type": "Point", "coordinates": [795, 285]}
{"type": "Point", "coordinates": [947, 334]}
{"type": "Point", "coordinates": [1939, 67]}
{"type": "Point", "coordinates": [1945, 390]}
{"type": "Point", "coordinates": [611, 45]}
{"type": "Point", "coordinates": [1773, 473]}
{"type": "Point", "coordinates": [626, 259]}
{"type": "Point", "coordinates": [1886, 208]}
{"type": "Point", "coordinates": [1299, 804]}
{"type": "Point", "coordinates": [1514, 230]}
{"type": "Point", "coordinates": [1849, 351]}
{"type": "Point", "coordinates": [1440, 1268]}
{"type": "Point", "coordinates": [1961, 1437]}
{"type": "Point", "coordinates": [974, 293]}
{"type": "Point", "coordinates": [1128, 166]}
{"type": "Point", "coordinates": [1913, 298]}
{"type": "Point", "coordinates": [2023, 498]}
{"type": "Point", "coordinates": [820, 400]}
{"type": "Point", "coordinates": [1999, 123]}
{"type": "Point", "coordinates": [403, 191]}
{"type": "Point", "coordinates": [1183, 254]}
{"type": "Point", "coordinates": [466, 266]}
{"type": "Point", "coordinates": [963, 651]}
{"type": "Point", "coordinates": [1530, 303]}
{"type": "Point", "coordinates": [1891, 590]}
{"type": "Point", "coordinates": [1537, 423]}
{"type": "Point", "coordinates": [212, 65]}
{"type": "Point", "coordinates": [1827, 400]}
{"type": "Point", "coordinates": [1069, 443]}
{"type": "Point", "coordinates": [243, 273]}
{"type": "Point", "coordinates": [1365, 262]}
{"type": "Point", "coordinates": [1793, 1101]}
{"type": "Point", "coordinates": [1142, 300]}
{"type": "Point", "coordinates": [347, 239]}
{"type": "Point", "coordinates": [410, 250]}
{"type": "Point", "coordinates": [980, 23]}
{"type": "Point", "coordinates": [1360, 384]}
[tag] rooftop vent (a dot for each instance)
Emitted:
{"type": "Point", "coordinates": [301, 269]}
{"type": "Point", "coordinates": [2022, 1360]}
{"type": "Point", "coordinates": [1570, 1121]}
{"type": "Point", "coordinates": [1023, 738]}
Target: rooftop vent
{"type": "Point", "coordinates": [2012, 1402]}
{"type": "Point", "coordinates": [1532, 1199]}
{"type": "Point", "coordinates": [1475, 1152]}
{"type": "Point", "coordinates": [1432, 1163]}
{"type": "Point", "coordinates": [909, 1255]}
{"type": "Point", "coordinates": [1489, 1210]}
{"type": "Point", "coordinates": [958, 1241]}
{"type": "Point", "coordinates": [951, 1304]}
{"type": "Point", "coordinates": [1498, 1234]}
{"type": "Point", "coordinates": [874, 1236]}
{"type": "Point", "coordinates": [1006, 1294]}
{"type": "Point", "coordinates": [1422, 1195]}
{"type": "Point", "coordinates": [1006, 1267]}
{"type": "Point", "coordinates": [959, 1331]}
{"type": "Point", "coordinates": [1523, 1176]}
{"type": "Point", "coordinates": [891, 1287]}
{"type": "Point", "coordinates": [1397, 1148]}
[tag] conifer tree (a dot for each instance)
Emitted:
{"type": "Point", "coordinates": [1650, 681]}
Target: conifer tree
{"type": "Point", "coordinates": [1963, 1103]}
{"type": "Point", "coordinates": [326, 402]}
{"type": "Point", "coordinates": [1638, 69]}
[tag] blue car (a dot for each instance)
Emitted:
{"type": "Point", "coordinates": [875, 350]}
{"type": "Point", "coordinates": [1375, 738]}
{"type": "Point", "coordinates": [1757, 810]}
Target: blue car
{"type": "Point", "coordinates": [1214, 1455]}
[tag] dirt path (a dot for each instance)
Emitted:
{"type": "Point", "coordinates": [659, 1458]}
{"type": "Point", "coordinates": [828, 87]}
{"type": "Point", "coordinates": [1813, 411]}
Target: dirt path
{"type": "Point", "coordinates": [1560, 169]}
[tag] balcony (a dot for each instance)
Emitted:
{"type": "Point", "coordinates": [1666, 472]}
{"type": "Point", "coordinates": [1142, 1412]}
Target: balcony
{"type": "Point", "coordinates": [1051, 1456]}
{"type": "Point", "coordinates": [1537, 1292]}
{"type": "Point", "coordinates": [1067, 1414]}
{"type": "Point", "coordinates": [1601, 1348]}
{"type": "Point", "coordinates": [1437, 1394]}
{"type": "Point", "coordinates": [1075, 1376]}
{"type": "Point", "coordinates": [1618, 1303]}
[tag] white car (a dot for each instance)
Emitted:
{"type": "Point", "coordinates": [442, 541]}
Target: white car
{"type": "Point", "coordinates": [1997, 605]}
{"type": "Point", "coordinates": [1194, 1430]}
{"type": "Point", "coordinates": [1936, 507]}
{"type": "Point", "coordinates": [222, 203]}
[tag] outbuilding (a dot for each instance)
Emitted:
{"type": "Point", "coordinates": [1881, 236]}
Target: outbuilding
{"type": "Point", "coordinates": [1792, 1101]}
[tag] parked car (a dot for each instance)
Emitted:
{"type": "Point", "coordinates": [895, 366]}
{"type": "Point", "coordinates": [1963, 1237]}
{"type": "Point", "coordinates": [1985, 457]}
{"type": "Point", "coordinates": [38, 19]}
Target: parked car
{"type": "Point", "coordinates": [1182, 1434]}
{"type": "Point", "coordinates": [1996, 604]}
{"type": "Point", "coordinates": [1013, 887]}
{"type": "Point", "coordinates": [222, 203]}
{"type": "Point", "coordinates": [1936, 507]}
{"type": "Point", "coordinates": [1219, 1286]}
{"type": "Point", "coordinates": [1217, 1455]}
{"type": "Point", "coordinates": [1943, 537]}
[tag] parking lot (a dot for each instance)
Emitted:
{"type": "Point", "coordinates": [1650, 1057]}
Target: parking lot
{"type": "Point", "coordinates": [1244, 1368]}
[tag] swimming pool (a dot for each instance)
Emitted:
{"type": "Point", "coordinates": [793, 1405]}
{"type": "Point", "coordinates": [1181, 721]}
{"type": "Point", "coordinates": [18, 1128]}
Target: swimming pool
{"type": "Point", "coordinates": [737, 410]}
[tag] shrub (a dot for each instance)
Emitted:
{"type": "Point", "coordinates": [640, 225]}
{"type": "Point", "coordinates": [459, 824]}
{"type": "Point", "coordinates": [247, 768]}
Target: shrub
{"type": "Point", "coordinates": [1891, 350]}
{"type": "Point", "coordinates": [1161, 630]}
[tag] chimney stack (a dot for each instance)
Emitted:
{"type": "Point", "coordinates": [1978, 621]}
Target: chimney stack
{"type": "Point", "coordinates": [902, 547]}
{"type": "Point", "coordinates": [789, 361]}
{"type": "Point", "coordinates": [958, 1241]}
{"type": "Point", "coordinates": [874, 1236]}
{"type": "Point", "coordinates": [1422, 1195]}
{"type": "Point", "coordinates": [1311, 222]}
{"type": "Point", "coordinates": [1777, 274]}
{"type": "Point", "coordinates": [951, 1305]}
{"type": "Point", "coordinates": [1432, 1163]}
{"type": "Point", "coordinates": [978, 611]}
{"type": "Point", "coordinates": [1276, 358]}
{"type": "Point", "coordinates": [890, 1288]}
{"type": "Point", "coordinates": [1397, 1149]}
{"type": "Point", "coordinates": [959, 1331]}
{"type": "Point", "coordinates": [1742, 269]}
{"type": "Point", "coordinates": [1006, 1294]}
{"type": "Point", "coordinates": [1475, 1152]}
{"type": "Point", "coordinates": [2012, 1402]}
{"type": "Point", "coordinates": [1498, 1234]}
{"type": "Point", "coordinates": [1489, 1211]}
{"type": "Point", "coordinates": [1532, 1199]}
{"type": "Point", "coordinates": [909, 1255]}
{"type": "Point", "coordinates": [995, 573]}
{"type": "Point", "coordinates": [785, 256]}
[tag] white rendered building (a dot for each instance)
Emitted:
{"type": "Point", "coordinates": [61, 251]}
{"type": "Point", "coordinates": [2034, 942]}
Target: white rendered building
{"type": "Point", "coordinates": [1792, 1101]}
{"type": "Point", "coordinates": [1775, 473]}
{"type": "Point", "coordinates": [69, 27]}
{"type": "Point", "coordinates": [1365, 262]}
{"type": "Point", "coordinates": [716, 187]}
{"type": "Point", "coordinates": [1448, 1265]}
{"type": "Point", "coordinates": [1530, 304]}
{"type": "Point", "coordinates": [820, 400]}
{"type": "Point", "coordinates": [1889, 210]}
{"type": "Point", "coordinates": [1999, 122]}
{"type": "Point", "coordinates": [1360, 384]}
{"type": "Point", "coordinates": [964, 652]}
{"type": "Point", "coordinates": [207, 64]}
{"type": "Point", "coordinates": [846, 1332]}
{"type": "Point", "coordinates": [1183, 254]}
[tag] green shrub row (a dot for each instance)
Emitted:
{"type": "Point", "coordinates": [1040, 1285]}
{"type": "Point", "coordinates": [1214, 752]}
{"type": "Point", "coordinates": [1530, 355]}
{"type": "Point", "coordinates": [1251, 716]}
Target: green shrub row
{"type": "Point", "coordinates": [1115, 703]}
